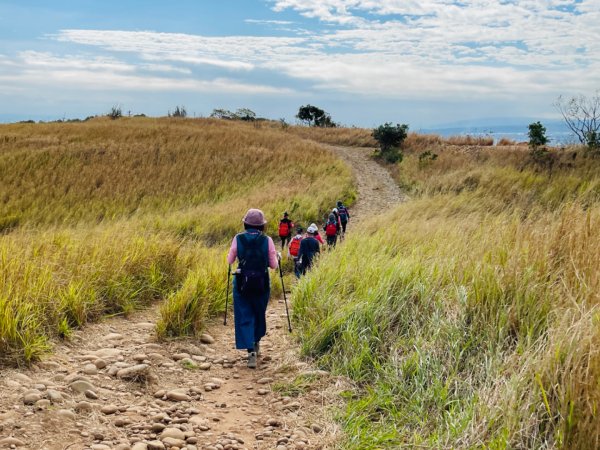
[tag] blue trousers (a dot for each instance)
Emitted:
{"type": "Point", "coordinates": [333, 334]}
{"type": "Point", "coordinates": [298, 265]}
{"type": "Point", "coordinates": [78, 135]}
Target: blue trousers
{"type": "Point", "coordinates": [250, 317]}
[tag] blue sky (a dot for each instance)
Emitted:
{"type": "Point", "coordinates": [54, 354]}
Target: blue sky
{"type": "Point", "coordinates": [423, 62]}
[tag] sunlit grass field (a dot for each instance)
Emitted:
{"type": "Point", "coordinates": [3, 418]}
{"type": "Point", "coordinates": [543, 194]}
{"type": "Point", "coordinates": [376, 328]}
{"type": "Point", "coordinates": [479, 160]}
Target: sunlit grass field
{"type": "Point", "coordinates": [468, 317]}
{"type": "Point", "coordinates": [105, 216]}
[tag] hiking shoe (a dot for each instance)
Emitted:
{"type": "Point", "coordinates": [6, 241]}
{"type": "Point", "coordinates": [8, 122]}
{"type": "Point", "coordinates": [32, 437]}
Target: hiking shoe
{"type": "Point", "coordinates": [257, 348]}
{"type": "Point", "coordinates": [252, 360]}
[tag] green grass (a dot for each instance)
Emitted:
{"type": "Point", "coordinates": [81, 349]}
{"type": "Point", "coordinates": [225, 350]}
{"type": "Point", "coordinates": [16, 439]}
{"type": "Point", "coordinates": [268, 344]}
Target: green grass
{"type": "Point", "coordinates": [467, 318]}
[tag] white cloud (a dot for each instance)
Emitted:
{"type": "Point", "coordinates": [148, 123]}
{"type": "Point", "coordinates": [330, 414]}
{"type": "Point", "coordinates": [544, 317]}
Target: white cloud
{"type": "Point", "coordinates": [36, 69]}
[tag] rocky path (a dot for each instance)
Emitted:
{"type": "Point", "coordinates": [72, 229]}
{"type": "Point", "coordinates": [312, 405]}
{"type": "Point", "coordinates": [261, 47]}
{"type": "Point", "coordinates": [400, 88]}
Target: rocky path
{"type": "Point", "coordinates": [377, 190]}
{"type": "Point", "coordinates": [114, 386]}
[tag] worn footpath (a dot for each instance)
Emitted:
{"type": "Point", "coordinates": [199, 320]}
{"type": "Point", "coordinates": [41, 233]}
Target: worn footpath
{"type": "Point", "coordinates": [112, 385]}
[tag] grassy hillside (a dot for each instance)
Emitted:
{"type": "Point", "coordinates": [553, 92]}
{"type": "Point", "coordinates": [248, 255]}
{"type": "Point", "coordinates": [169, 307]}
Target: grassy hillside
{"type": "Point", "coordinates": [469, 316]}
{"type": "Point", "coordinates": [104, 216]}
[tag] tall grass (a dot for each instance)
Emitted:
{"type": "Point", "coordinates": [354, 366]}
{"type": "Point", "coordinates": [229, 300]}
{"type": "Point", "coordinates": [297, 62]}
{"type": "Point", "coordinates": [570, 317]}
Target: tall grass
{"type": "Point", "coordinates": [106, 216]}
{"type": "Point", "coordinates": [468, 317]}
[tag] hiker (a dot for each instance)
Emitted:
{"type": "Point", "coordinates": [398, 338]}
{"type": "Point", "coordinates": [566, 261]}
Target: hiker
{"type": "Point", "coordinates": [331, 230]}
{"type": "Point", "coordinates": [344, 215]}
{"type": "Point", "coordinates": [255, 253]}
{"type": "Point", "coordinates": [294, 248]}
{"type": "Point", "coordinates": [335, 212]}
{"type": "Point", "coordinates": [309, 248]}
{"type": "Point", "coordinates": [285, 230]}
{"type": "Point", "coordinates": [316, 235]}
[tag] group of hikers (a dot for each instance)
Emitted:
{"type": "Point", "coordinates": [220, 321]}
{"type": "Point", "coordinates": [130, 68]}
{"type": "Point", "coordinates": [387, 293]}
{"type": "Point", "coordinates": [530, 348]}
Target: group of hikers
{"type": "Point", "coordinates": [303, 247]}
{"type": "Point", "coordinates": [256, 253]}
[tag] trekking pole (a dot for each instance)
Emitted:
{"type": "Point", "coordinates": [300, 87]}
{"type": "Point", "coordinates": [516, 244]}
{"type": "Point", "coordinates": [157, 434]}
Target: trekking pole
{"type": "Point", "coordinates": [287, 312]}
{"type": "Point", "coordinates": [227, 295]}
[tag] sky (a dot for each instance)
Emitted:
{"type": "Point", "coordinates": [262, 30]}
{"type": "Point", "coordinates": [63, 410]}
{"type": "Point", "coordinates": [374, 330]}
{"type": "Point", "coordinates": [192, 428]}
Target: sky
{"type": "Point", "coordinates": [425, 63]}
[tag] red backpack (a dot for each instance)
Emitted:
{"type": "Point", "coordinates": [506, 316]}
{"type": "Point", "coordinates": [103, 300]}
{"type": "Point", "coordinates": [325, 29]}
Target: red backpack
{"type": "Point", "coordinates": [330, 229]}
{"type": "Point", "coordinates": [295, 246]}
{"type": "Point", "coordinates": [284, 229]}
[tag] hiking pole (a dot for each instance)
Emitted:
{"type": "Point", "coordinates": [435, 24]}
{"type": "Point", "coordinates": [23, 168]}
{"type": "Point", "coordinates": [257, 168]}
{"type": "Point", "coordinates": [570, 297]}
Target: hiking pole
{"type": "Point", "coordinates": [227, 295]}
{"type": "Point", "coordinates": [287, 312]}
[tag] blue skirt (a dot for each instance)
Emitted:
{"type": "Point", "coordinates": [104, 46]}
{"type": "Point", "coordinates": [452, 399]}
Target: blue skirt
{"type": "Point", "coordinates": [249, 317]}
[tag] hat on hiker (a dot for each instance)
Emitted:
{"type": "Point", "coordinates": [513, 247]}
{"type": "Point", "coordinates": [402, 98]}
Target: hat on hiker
{"type": "Point", "coordinates": [339, 204]}
{"type": "Point", "coordinates": [254, 218]}
{"type": "Point", "coordinates": [312, 229]}
{"type": "Point", "coordinates": [332, 217]}
{"type": "Point", "coordinates": [334, 210]}
{"type": "Point", "coordinates": [285, 214]}
{"type": "Point", "coordinates": [299, 230]}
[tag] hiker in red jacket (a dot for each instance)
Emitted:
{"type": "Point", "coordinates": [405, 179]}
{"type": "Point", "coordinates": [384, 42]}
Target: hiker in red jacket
{"type": "Point", "coordinates": [294, 249]}
{"type": "Point", "coordinates": [285, 230]}
{"type": "Point", "coordinates": [331, 230]}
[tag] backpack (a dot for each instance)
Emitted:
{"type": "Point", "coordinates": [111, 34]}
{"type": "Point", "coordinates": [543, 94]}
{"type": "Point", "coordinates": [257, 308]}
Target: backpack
{"type": "Point", "coordinates": [330, 229]}
{"type": "Point", "coordinates": [343, 214]}
{"type": "Point", "coordinates": [295, 246]}
{"type": "Point", "coordinates": [284, 229]}
{"type": "Point", "coordinates": [252, 275]}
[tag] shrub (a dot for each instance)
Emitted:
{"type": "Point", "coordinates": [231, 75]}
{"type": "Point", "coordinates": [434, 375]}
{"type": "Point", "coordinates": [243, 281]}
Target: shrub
{"type": "Point", "coordinates": [390, 139]}
{"type": "Point", "coordinates": [115, 112]}
{"type": "Point", "coordinates": [537, 135]}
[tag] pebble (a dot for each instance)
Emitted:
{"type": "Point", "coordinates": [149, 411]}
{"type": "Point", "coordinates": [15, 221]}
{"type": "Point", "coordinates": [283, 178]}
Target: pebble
{"type": "Point", "coordinates": [100, 363]}
{"type": "Point", "coordinates": [100, 447]}
{"type": "Point", "coordinates": [265, 380]}
{"type": "Point", "coordinates": [172, 442]}
{"type": "Point", "coordinates": [84, 407]}
{"type": "Point", "coordinates": [80, 386]}
{"type": "Point", "coordinates": [316, 428]}
{"type": "Point", "coordinates": [139, 446]}
{"type": "Point", "coordinates": [90, 369]}
{"type": "Point", "coordinates": [156, 445]}
{"type": "Point", "coordinates": [140, 357]}
{"type": "Point", "coordinates": [66, 414]}
{"type": "Point", "coordinates": [207, 339]}
{"type": "Point", "coordinates": [109, 409]}
{"type": "Point", "coordinates": [139, 371]}
{"type": "Point", "coordinates": [54, 396]}
{"type": "Point", "coordinates": [262, 391]}
{"type": "Point", "coordinates": [107, 353]}
{"type": "Point", "coordinates": [22, 378]}
{"type": "Point", "coordinates": [204, 366]}
{"type": "Point", "coordinates": [91, 395]}
{"type": "Point", "coordinates": [31, 397]}
{"type": "Point", "coordinates": [178, 395]}
{"type": "Point", "coordinates": [113, 337]}
{"type": "Point", "coordinates": [180, 356]}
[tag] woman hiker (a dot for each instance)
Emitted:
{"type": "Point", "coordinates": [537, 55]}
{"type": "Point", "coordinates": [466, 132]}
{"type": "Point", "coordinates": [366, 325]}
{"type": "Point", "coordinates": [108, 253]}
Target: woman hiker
{"type": "Point", "coordinates": [255, 253]}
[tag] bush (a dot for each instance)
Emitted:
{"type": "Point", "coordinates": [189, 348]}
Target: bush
{"type": "Point", "coordinates": [314, 116]}
{"type": "Point", "coordinates": [390, 138]}
{"type": "Point", "coordinates": [537, 135]}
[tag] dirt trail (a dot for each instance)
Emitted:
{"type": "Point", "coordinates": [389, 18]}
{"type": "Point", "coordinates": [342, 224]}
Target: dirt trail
{"type": "Point", "coordinates": [113, 386]}
{"type": "Point", "coordinates": [377, 190]}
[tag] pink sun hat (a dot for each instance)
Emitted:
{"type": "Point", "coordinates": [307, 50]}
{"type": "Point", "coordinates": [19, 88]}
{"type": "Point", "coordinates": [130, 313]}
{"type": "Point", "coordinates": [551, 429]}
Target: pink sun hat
{"type": "Point", "coordinates": [255, 218]}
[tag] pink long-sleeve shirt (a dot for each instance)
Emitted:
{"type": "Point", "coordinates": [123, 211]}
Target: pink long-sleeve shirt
{"type": "Point", "coordinates": [232, 255]}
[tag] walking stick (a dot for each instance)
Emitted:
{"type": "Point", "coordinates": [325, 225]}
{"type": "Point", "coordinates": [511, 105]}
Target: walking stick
{"type": "Point", "coordinates": [227, 295]}
{"type": "Point", "coordinates": [287, 312]}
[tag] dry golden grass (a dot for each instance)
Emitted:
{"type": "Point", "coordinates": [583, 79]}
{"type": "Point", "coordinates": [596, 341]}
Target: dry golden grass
{"type": "Point", "coordinates": [350, 137]}
{"type": "Point", "coordinates": [469, 316]}
{"type": "Point", "coordinates": [105, 216]}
